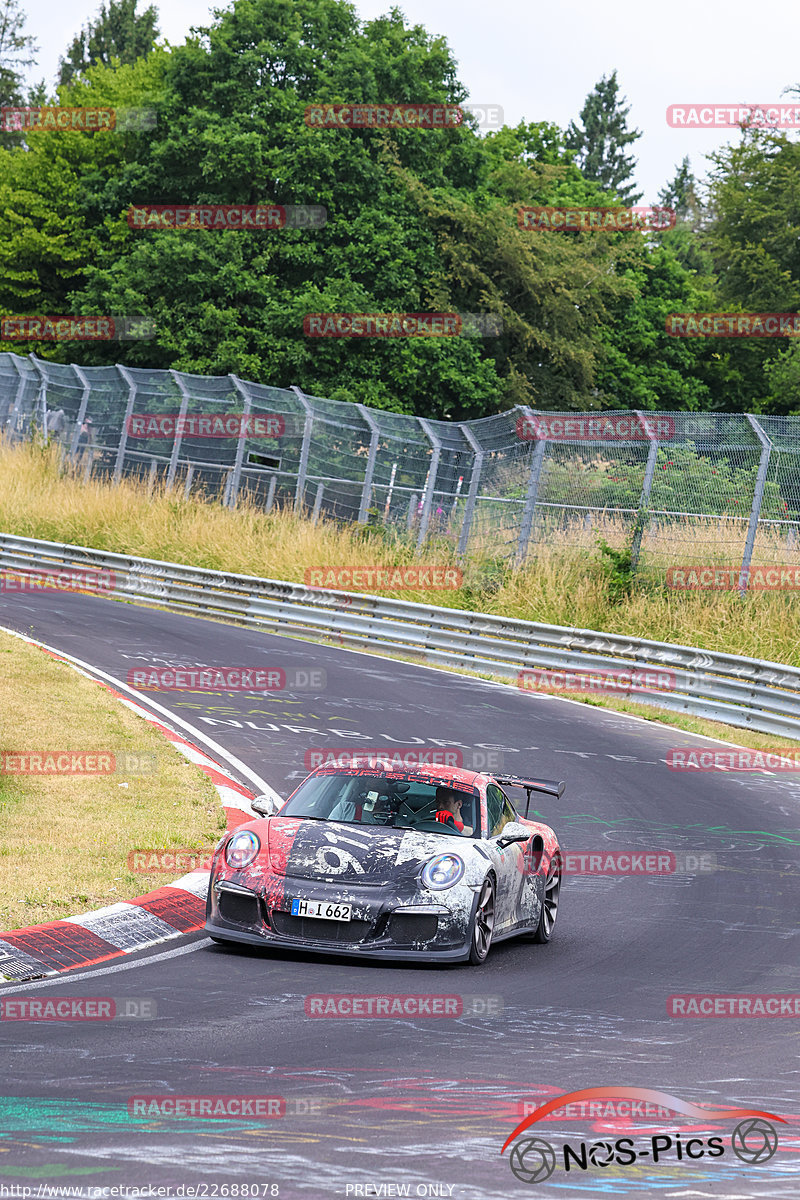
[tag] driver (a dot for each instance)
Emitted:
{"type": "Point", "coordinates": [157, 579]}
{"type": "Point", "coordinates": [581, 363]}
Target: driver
{"type": "Point", "coordinates": [448, 808]}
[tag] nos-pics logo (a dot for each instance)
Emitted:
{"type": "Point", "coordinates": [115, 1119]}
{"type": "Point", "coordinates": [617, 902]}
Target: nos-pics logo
{"type": "Point", "coordinates": [533, 1159]}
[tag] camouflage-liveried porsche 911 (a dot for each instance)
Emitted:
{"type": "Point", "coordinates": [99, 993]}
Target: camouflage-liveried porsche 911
{"type": "Point", "coordinates": [425, 864]}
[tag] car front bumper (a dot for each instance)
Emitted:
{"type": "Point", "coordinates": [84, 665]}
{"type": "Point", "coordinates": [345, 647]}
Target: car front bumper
{"type": "Point", "coordinates": [381, 928]}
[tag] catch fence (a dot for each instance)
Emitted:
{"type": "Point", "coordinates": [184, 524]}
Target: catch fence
{"type": "Point", "coordinates": [691, 488]}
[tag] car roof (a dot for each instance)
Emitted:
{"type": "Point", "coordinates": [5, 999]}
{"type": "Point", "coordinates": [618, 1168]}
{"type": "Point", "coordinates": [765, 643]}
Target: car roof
{"type": "Point", "coordinates": [437, 773]}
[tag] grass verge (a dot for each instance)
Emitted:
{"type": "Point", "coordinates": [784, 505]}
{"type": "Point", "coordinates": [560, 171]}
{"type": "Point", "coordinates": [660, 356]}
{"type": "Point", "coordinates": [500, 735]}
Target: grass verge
{"type": "Point", "coordinates": [65, 840]}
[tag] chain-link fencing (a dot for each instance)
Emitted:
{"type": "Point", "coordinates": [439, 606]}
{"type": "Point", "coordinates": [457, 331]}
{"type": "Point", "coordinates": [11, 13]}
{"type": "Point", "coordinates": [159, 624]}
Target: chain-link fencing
{"type": "Point", "coordinates": [690, 488]}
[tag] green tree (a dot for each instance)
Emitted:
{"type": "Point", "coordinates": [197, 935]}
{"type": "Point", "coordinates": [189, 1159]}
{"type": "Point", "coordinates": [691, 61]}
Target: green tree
{"type": "Point", "coordinates": [51, 211]}
{"type": "Point", "coordinates": [680, 194]}
{"type": "Point", "coordinates": [755, 242]}
{"type": "Point", "coordinates": [641, 365]}
{"type": "Point", "coordinates": [417, 221]}
{"type": "Point", "coordinates": [629, 360]}
{"type": "Point", "coordinates": [602, 138]}
{"type": "Point", "coordinates": [116, 32]}
{"type": "Point", "coordinates": [688, 240]}
{"type": "Point", "coordinates": [17, 51]}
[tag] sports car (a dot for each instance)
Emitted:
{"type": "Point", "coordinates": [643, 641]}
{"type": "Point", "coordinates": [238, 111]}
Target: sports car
{"type": "Point", "coordinates": [432, 863]}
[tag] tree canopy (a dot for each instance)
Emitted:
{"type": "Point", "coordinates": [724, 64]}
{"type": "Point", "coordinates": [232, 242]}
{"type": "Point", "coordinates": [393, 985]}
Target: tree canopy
{"type": "Point", "coordinates": [418, 220]}
{"type": "Point", "coordinates": [116, 32]}
{"type": "Point", "coordinates": [17, 51]}
{"type": "Point", "coordinates": [602, 138]}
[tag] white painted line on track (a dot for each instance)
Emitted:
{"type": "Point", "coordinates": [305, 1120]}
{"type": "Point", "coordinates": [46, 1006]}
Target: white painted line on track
{"type": "Point", "coordinates": [169, 717]}
{"type": "Point", "coordinates": [496, 683]}
{"type": "Point", "coordinates": [65, 979]}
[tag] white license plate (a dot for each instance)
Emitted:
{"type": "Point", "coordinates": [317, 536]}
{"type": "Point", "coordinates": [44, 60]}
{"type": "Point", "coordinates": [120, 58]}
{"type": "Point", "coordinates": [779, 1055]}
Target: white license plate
{"type": "Point", "coordinates": [324, 909]}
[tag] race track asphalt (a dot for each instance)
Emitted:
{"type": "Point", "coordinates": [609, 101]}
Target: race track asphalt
{"type": "Point", "coordinates": [418, 1104]}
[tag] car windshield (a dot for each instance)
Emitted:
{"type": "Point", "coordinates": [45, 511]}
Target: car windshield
{"type": "Point", "coordinates": [400, 801]}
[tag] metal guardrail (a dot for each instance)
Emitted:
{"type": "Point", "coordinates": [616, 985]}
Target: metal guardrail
{"type": "Point", "coordinates": [745, 692]}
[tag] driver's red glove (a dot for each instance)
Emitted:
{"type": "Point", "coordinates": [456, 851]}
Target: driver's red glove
{"type": "Point", "coordinates": [447, 818]}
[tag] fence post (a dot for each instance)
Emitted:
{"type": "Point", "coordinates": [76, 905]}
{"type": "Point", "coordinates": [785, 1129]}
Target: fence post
{"type": "Point", "coordinates": [389, 491]}
{"type": "Point", "coordinates": [474, 485]}
{"type": "Point", "coordinates": [176, 448]}
{"type": "Point", "coordinates": [6, 401]}
{"type": "Point", "coordinates": [647, 484]}
{"type": "Point", "coordinates": [81, 417]}
{"type": "Point", "coordinates": [758, 496]}
{"type": "Point", "coordinates": [533, 488]}
{"type": "Point", "coordinates": [302, 466]}
{"type": "Point", "coordinates": [366, 491]}
{"type": "Point", "coordinates": [41, 395]}
{"type": "Point", "coordinates": [412, 510]}
{"type": "Point", "coordinates": [123, 434]}
{"type": "Point", "coordinates": [232, 489]}
{"type": "Point", "coordinates": [427, 499]}
{"type": "Point", "coordinates": [317, 502]}
{"type": "Point", "coordinates": [12, 418]}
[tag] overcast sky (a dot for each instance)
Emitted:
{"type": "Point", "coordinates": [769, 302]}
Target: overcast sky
{"type": "Point", "coordinates": [538, 60]}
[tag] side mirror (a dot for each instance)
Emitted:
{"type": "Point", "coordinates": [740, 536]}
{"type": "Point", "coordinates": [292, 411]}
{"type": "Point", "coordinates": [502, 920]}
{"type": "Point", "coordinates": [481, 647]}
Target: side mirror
{"type": "Point", "coordinates": [514, 831]}
{"type": "Point", "coordinates": [266, 806]}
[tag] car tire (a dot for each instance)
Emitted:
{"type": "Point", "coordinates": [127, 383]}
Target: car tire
{"type": "Point", "coordinates": [482, 923]}
{"type": "Point", "coordinates": [550, 899]}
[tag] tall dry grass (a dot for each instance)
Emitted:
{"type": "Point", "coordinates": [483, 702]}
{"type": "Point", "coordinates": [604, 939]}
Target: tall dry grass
{"type": "Point", "coordinates": [564, 583]}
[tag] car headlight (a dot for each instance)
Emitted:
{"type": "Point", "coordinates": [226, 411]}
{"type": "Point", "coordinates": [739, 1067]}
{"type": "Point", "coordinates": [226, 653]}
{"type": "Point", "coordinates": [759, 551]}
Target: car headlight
{"type": "Point", "coordinates": [443, 872]}
{"type": "Point", "coordinates": [242, 849]}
